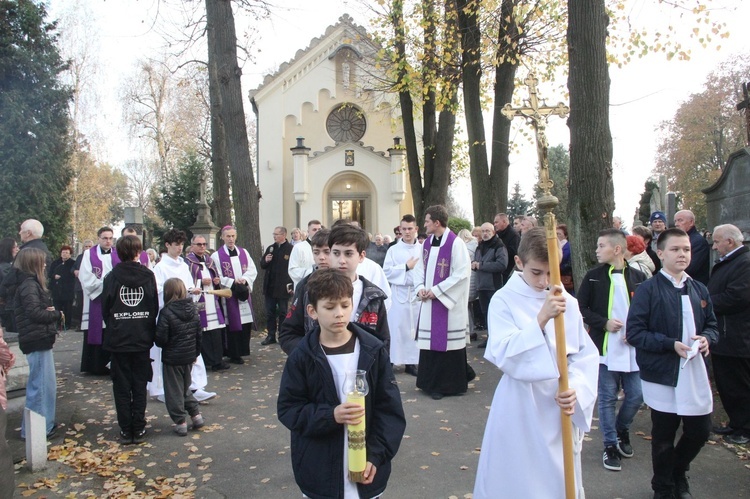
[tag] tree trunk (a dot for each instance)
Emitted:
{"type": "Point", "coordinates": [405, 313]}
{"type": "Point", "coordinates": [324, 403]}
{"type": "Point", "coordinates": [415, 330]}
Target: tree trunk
{"type": "Point", "coordinates": [591, 189]}
{"type": "Point", "coordinates": [471, 75]}
{"type": "Point", "coordinates": [222, 52]}
{"type": "Point", "coordinates": [222, 203]}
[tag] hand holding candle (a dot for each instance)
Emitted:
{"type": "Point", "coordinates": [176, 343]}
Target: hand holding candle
{"type": "Point", "coordinates": [353, 410]}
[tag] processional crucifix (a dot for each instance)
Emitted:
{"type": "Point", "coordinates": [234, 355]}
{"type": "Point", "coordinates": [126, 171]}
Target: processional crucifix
{"type": "Point", "coordinates": [745, 104]}
{"type": "Point", "coordinates": [537, 116]}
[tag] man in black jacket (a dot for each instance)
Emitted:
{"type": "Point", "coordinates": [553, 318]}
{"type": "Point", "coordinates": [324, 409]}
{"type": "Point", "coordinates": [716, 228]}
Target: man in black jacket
{"type": "Point", "coordinates": [730, 293]}
{"type": "Point", "coordinates": [510, 239]}
{"type": "Point", "coordinates": [700, 251]}
{"type": "Point", "coordinates": [490, 262]}
{"type": "Point", "coordinates": [604, 299]}
{"type": "Point", "coordinates": [275, 261]}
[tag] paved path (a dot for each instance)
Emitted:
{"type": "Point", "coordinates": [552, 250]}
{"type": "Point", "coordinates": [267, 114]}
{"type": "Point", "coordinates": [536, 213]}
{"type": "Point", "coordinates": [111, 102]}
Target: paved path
{"type": "Point", "coordinates": [244, 450]}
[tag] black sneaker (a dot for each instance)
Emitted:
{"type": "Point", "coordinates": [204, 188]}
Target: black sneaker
{"type": "Point", "coordinates": [682, 487]}
{"type": "Point", "coordinates": [139, 436]}
{"type": "Point", "coordinates": [623, 444]}
{"type": "Point", "coordinates": [126, 438]}
{"type": "Point", "coordinates": [611, 458]}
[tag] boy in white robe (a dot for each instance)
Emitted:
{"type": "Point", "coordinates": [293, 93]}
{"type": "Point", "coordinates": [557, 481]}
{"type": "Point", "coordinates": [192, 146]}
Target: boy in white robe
{"type": "Point", "coordinates": [522, 447]}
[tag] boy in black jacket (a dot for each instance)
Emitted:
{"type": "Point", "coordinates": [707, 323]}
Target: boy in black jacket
{"type": "Point", "coordinates": [313, 406]}
{"type": "Point", "coordinates": [129, 306]}
{"type": "Point", "coordinates": [604, 298]}
{"type": "Point", "coordinates": [178, 334]}
{"type": "Point", "coordinates": [347, 250]}
{"type": "Point", "coordinates": [671, 324]}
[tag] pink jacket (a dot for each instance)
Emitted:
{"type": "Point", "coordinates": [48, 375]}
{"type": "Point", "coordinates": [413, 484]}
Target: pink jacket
{"type": "Point", "coordinates": [7, 359]}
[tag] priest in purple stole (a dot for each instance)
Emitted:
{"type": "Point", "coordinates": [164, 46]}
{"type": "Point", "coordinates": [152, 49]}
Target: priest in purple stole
{"type": "Point", "coordinates": [237, 272]}
{"type": "Point", "coordinates": [206, 275]}
{"type": "Point", "coordinates": [96, 263]}
{"type": "Point", "coordinates": [441, 284]}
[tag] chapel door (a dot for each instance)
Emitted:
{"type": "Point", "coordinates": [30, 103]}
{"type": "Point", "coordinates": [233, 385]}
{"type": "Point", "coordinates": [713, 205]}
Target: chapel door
{"type": "Point", "coordinates": [355, 209]}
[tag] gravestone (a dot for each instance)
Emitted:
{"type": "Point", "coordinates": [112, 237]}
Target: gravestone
{"type": "Point", "coordinates": [727, 200]}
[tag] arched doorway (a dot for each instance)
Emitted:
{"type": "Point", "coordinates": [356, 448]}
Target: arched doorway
{"type": "Point", "coordinates": [350, 196]}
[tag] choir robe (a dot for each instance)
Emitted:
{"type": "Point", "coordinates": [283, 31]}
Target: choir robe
{"type": "Point", "coordinates": [167, 268]}
{"type": "Point", "coordinates": [404, 311]}
{"type": "Point", "coordinates": [94, 359]}
{"type": "Point", "coordinates": [374, 273]}
{"type": "Point", "coordinates": [301, 262]}
{"type": "Point", "coordinates": [522, 447]}
{"type": "Point", "coordinates": [250, 274]}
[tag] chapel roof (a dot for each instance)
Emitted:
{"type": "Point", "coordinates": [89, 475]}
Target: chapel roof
{"type": "Point", "coordinates": [344, 21]}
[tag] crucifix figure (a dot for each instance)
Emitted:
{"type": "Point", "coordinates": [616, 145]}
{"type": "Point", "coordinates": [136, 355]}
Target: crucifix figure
{"type": "Point", "coordinates": [537, 115]}
{"type": "Point", "coordinates": [745, 104]}
{"type": "Point", "coordinates": [203, 189]}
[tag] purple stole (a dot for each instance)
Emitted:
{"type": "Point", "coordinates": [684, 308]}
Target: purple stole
{"type": "Point", "coordinates": [95, 305]}
{"type": "Point", "coordinates": [143, 257]}
{"type": "Point", "coordinates": [196, 271]}
{"type": "Point", "coordinates": [439, 317]}
{"type": "Point", "coordinates": [233, 304]}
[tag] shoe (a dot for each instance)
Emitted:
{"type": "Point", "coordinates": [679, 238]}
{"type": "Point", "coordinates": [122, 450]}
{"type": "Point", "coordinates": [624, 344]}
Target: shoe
{"type": "Point", "coordinates": [181, 429]}
{"type": "Point", "coordinates": [737, 438]}
{"type": "Point", "coordinates": [611, 458]}
{"type": "Point", "coordinates": [270, 339]}
{"type": "Point", "coordinates": [139, 436]}
{"type": "Point", "coordinates": [126, 438]}
{"type": "Point", "coordinates": [722, 430]}
{"type": "Point", "coordinates": [220, 367]}
{"type": "Point", "coordinates": [437, 396]}
{"type": "Point", "coordinates": [473, 336]}
{"type": "Point", "coordinates": [623, 444]}
{"type": "Point", "coordinates": [53, 431]}
{"type": "Point", "coordinates": [681, 487]}
{"type": "Point", "coordinates": [198, 421]}
{"type": "Point", "coordinates": [237, 361]}
{"type": "Point", "coordinates": [482, 344]}
{"type": "Point", "coordinates": [411, 369]}
{"type": "Point", "coordinates": [201, 395]}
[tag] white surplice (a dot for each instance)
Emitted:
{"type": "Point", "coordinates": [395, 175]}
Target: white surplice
{"type": "Point", "coordinates": [453, 292]}
{"type": "Point", "coordinates": [300, 262]}
{"type": "Point", "coordinates": [250, 274]}
{"type": "Point", "coordinates": [91, 283]}
{"type": "Point", "coordinates": [374, 273]}
{"type": "Point", "coordinates": [167, 268]}
{"type": "Point", "coordinates": [522, 447]}
{"type": "Point", "coordinates": [404, 312]}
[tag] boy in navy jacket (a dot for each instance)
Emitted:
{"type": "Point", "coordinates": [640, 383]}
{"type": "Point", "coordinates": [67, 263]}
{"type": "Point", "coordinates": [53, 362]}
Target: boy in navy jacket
{"type": "Point", "coordinates": [313, 406]}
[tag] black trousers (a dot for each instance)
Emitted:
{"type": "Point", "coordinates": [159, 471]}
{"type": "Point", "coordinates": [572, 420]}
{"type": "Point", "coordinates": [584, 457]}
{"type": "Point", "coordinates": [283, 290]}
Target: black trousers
{"type": "Point", "coordinates": [7, 475]}
{"type": "Point", "coordinates": [178, 397]}
{"type": "Point", "coordinates": [66, 307]}
{"type": "Point", "coordinates": [670, 460]}
{"type": "Point", "coordinates": [275, 312]}
{"type": "Point", "coordinates": [732, 376]}
{"type": "Point", "coordinates": [484, 303]}
{"type": "Point", "coordinates": [237, 344]}
{"type": "Point", "coordinates": [130, 372]}
{"type": "Point", "coordinates": [212, 347]}
{"type": "Point", "coordinates": [77, 310]}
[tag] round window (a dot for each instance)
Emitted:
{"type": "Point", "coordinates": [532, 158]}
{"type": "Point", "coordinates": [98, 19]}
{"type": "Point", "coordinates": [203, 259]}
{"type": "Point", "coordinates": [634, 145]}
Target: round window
{"type": "Point", "coordinates": [346, 123]}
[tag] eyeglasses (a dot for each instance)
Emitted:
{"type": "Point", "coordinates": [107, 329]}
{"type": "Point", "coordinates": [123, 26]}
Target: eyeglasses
{"type": "Point", "coordinates": [200, 244]}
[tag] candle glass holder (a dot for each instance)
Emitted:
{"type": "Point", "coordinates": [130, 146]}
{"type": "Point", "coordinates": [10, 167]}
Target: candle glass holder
{"type": "Point", "coordinates": [355, 389]}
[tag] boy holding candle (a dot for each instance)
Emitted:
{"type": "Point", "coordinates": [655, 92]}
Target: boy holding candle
{"type": "Point", "coordinates": [312, 402]}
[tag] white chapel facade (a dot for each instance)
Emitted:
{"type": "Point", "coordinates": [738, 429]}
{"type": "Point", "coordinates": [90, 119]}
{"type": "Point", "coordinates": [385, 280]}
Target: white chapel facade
{"type": "Point", "coordinates": [326, 136]}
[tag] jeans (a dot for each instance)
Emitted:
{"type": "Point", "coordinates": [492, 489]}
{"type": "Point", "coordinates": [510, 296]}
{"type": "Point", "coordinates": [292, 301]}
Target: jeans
{"type": "Point", "coordinates": [670, 460]}
{"type": "Point", "coordinates": [275, 310]}
{"type": "Point", "coordinates": [41, 389]}
{"type": "Point", "coordinates": [609, 385]}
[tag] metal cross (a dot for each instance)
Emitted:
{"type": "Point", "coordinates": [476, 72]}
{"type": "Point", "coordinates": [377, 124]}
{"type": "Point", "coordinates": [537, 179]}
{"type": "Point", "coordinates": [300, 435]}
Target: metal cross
{"type": "Point", "coordinates": [537, 115]}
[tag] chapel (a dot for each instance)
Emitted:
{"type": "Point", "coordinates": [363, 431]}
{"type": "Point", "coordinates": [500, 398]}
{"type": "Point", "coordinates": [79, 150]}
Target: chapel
{"type": "Point", "coordinates": [328, 137]}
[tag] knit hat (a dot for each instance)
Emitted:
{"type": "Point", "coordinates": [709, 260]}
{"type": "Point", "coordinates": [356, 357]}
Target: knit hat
{"type": "Point", "coordinates": [658, 215]}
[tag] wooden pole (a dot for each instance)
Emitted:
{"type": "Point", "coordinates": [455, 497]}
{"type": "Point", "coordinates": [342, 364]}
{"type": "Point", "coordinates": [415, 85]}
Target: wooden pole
{"type": "Point", "coordinates": [553, 253]}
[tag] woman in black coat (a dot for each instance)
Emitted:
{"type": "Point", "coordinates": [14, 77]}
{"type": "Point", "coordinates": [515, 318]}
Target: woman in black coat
{"type": "Point", "coordinates": [62, 281]}
{"type": "Point", "coordinates": [36, 319]}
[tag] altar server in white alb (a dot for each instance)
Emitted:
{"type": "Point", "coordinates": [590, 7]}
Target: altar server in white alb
{"type": "Point", "coordinates": [522, 447]}
{"type": "Point", "coordinates": [173, 265]}
{"type": "Point", "coordinates": [399, 264]}
{"type": "Point", "coordinates": [301, 261]}
{"type": "Point", "coordinates": [442, 287]}
{"type": "Point", "coordinates": [237, 272]}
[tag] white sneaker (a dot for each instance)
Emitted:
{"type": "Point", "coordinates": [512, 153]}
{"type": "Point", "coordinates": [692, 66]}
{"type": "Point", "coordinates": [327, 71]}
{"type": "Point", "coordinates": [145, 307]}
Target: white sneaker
{"type": "Point", "coordinates": [201, 395]}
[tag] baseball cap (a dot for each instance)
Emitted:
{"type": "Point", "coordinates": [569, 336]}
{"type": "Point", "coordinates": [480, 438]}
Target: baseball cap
{"type": "Point", "coordinates": [658, 215]}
